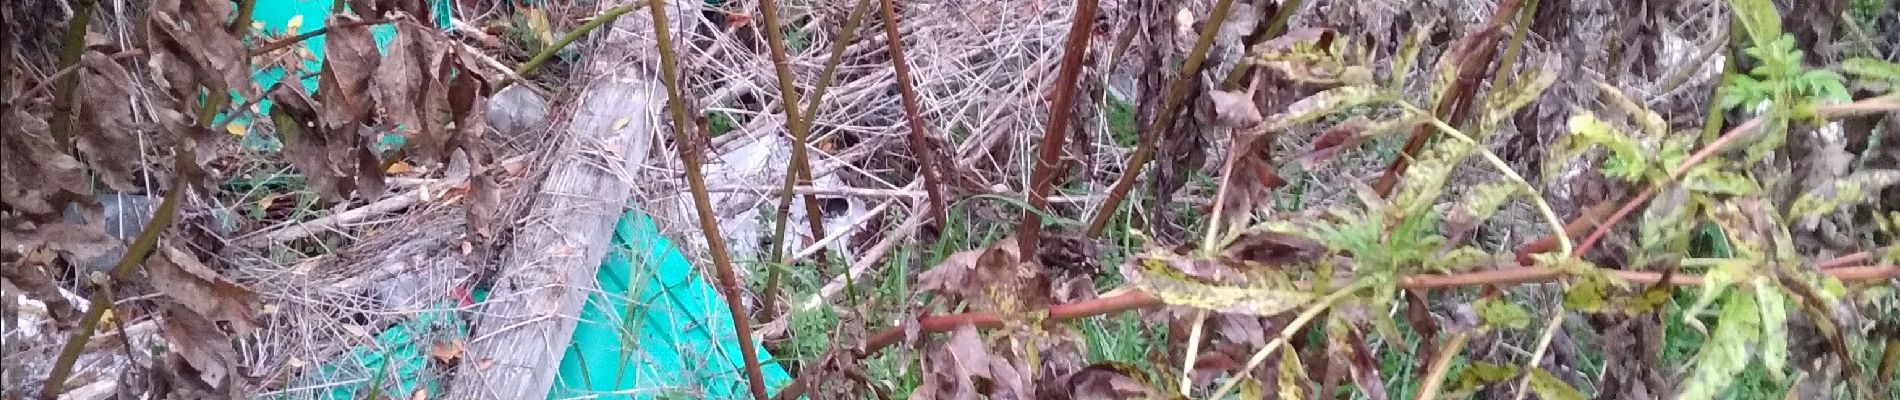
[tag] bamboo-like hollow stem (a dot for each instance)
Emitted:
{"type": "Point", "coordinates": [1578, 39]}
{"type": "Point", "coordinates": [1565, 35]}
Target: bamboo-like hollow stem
{"type": "Point", "coordinates": [71, 47]}
{"type": "Point", "coordinates": [1055, 133]}
{"type": "Point", "coordinates": [708, 221]}
{"type": "Point", "coordinates": [1177, 92]}
{"type": "Point", "coordinates": [919, 144]}
{"type": "Point", "coordinates": [798, 168]}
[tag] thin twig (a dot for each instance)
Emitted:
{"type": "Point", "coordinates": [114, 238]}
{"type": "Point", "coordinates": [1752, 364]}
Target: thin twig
{"type": "Point", "coordinates": [280, 44]}
{"type": "Point", "coordinates": [1543, 345]}
{"type": "Point", "coordinates": [1055, 133]}
{"type": "Point", "coordinates": [708, 221]}
{"type": "Point", "coordinates": [535, 63]}
{"type": "Point", "coordinates": [919, 145]}
{"type": "Point", "coordinates": [1435, 377]}
{"type": "Point", "coordinates": [1177, 92]}
{"type": "Point", "coordinates": [55, 77]}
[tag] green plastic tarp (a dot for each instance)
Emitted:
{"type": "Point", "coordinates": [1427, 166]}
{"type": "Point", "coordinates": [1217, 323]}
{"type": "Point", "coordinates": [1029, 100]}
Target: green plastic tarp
{"type": "Point", "coordinates": [655, 329]}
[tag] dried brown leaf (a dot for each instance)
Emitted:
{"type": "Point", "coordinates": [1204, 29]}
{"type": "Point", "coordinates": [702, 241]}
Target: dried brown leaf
{"type": "Point", "coordinates": [1364, 368]}
{"type": "Point", "coordinates": [1275, 249]}
{"type": "Point", "coordinates": [343, 86]}
{"type": "Point", "coordinates": [308, 143]}
{"type": "Point", "coordinates": [38, 180]}
{"type": "Point", "coordinates": [179, 275]}
{"type": "Point", "coordinates": [1235, 109]}
{"type": "Point", "coordinates": [484, 205]}
{"type": "Point", "coordinates": [107, 135]}
{"type": "Point", "coordinates": [200, 343]}
{"type": "Point", "coordinates": [447, 351]}
{"type": "Point", "coordinates": [1108, 380]}
{"type": "Point", "coordinates": [191, 48]}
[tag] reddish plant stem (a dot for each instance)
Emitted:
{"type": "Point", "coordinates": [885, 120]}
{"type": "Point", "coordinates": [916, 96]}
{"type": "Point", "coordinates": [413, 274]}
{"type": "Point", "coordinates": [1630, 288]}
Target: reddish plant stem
{"type": "Point", "coordinates": [1577, 226]}
{"type": "Point", "coordinates": [1081, 27]}
{"type": "Point", "coordinates": [1135, 299]}
{"type": "Point", "coordinates": [1589, 242]}
{"type": "Point", "coordinates": [919, 143]}
{"type": "Point", "coordinates": [708, 221]}
{"type": "Point", "coordinates": [1476, 51]}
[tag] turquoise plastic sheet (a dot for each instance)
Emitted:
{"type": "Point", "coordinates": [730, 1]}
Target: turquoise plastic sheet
{"type": "Point", "coordinates": [656, 329]}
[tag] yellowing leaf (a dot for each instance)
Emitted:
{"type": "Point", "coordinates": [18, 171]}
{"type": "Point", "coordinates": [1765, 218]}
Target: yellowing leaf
{"type": "Point", "coordinates": [1156, 276]}
{"type": "Point", "coordinates": [1726, 352]}
{"type": "Point", "coordinates": [400, 167]}
{"type": "Point", "coordinates": [294, 25]}
{"type": "Point", "coordinates": [1498, 312]}
{"type": "Point", "coordinates": [1548, 387]}
{"type": "Point", "coordinates": [236, 129]}
{"type": "Point", "coordinates": [621, 123]}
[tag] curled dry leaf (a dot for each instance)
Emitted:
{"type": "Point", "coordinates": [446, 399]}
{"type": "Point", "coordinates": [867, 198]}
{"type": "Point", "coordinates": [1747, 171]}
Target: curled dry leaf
{"type": "Point", "coordinates": [38, 180]}
{"type": "Point", "coordinates": [204, 292]}
{"type": "Point", "coordinates": [1106, 380]}
{"type": "Point", "coordinates": [200, 343]}
{"type": "Point", "coordinates": [190, 48]}
{"type": "Point", "coordinates": [990, 278]}
{"type": "Point", "coordinates": [107, 135]}
{"type": "Point", "coordinates": [308, 143]}
{"type": "Point", "coordinates": [1235, 109]}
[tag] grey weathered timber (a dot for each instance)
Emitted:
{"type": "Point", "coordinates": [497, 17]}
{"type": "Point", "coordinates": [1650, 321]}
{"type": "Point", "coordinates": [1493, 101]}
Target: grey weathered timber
{"type": "Point", "coordinates": [524, 327]}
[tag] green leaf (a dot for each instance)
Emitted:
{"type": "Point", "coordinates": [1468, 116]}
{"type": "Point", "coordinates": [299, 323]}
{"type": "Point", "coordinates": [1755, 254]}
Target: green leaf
{"type": "Point", "coordinates": [1548, 387]}
{"type": "Point", "coordinates": [1497, 312]}
{"type": "Point", "coordinates": [1589, 293]}
{"type": "Point", "coordinates": [1726, 353]}
{"type": "Point", "coordinates": [1649, 121]}
{"type": "Point", "coordinates": [1759, 18]}
{"type": "Point", "coordinates": [1712, 178]}
{"type": "Point", "coordinates": [1478, 374]}
{"type": "Point", "coordinates": [1626, 161]}
{"type": "Point", "coordinates": [1872, 68]}
{"type": "Point", "coordinates": [1523, 90]}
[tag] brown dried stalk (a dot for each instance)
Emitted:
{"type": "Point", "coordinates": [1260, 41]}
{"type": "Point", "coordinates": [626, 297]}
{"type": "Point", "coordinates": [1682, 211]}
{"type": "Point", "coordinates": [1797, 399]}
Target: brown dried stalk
{"type": "Point", "coordinates": [919, 144]}
{"type": "Point", "coordinates": [1081, 27]}
{"type": "Point", "coordinates": [708, 222]}
{"type": "Point", "coordinates": [1177, 92]}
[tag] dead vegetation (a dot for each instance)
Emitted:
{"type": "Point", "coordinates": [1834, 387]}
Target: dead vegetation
{"type": "Point", "coordinates": [1297, 199]}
